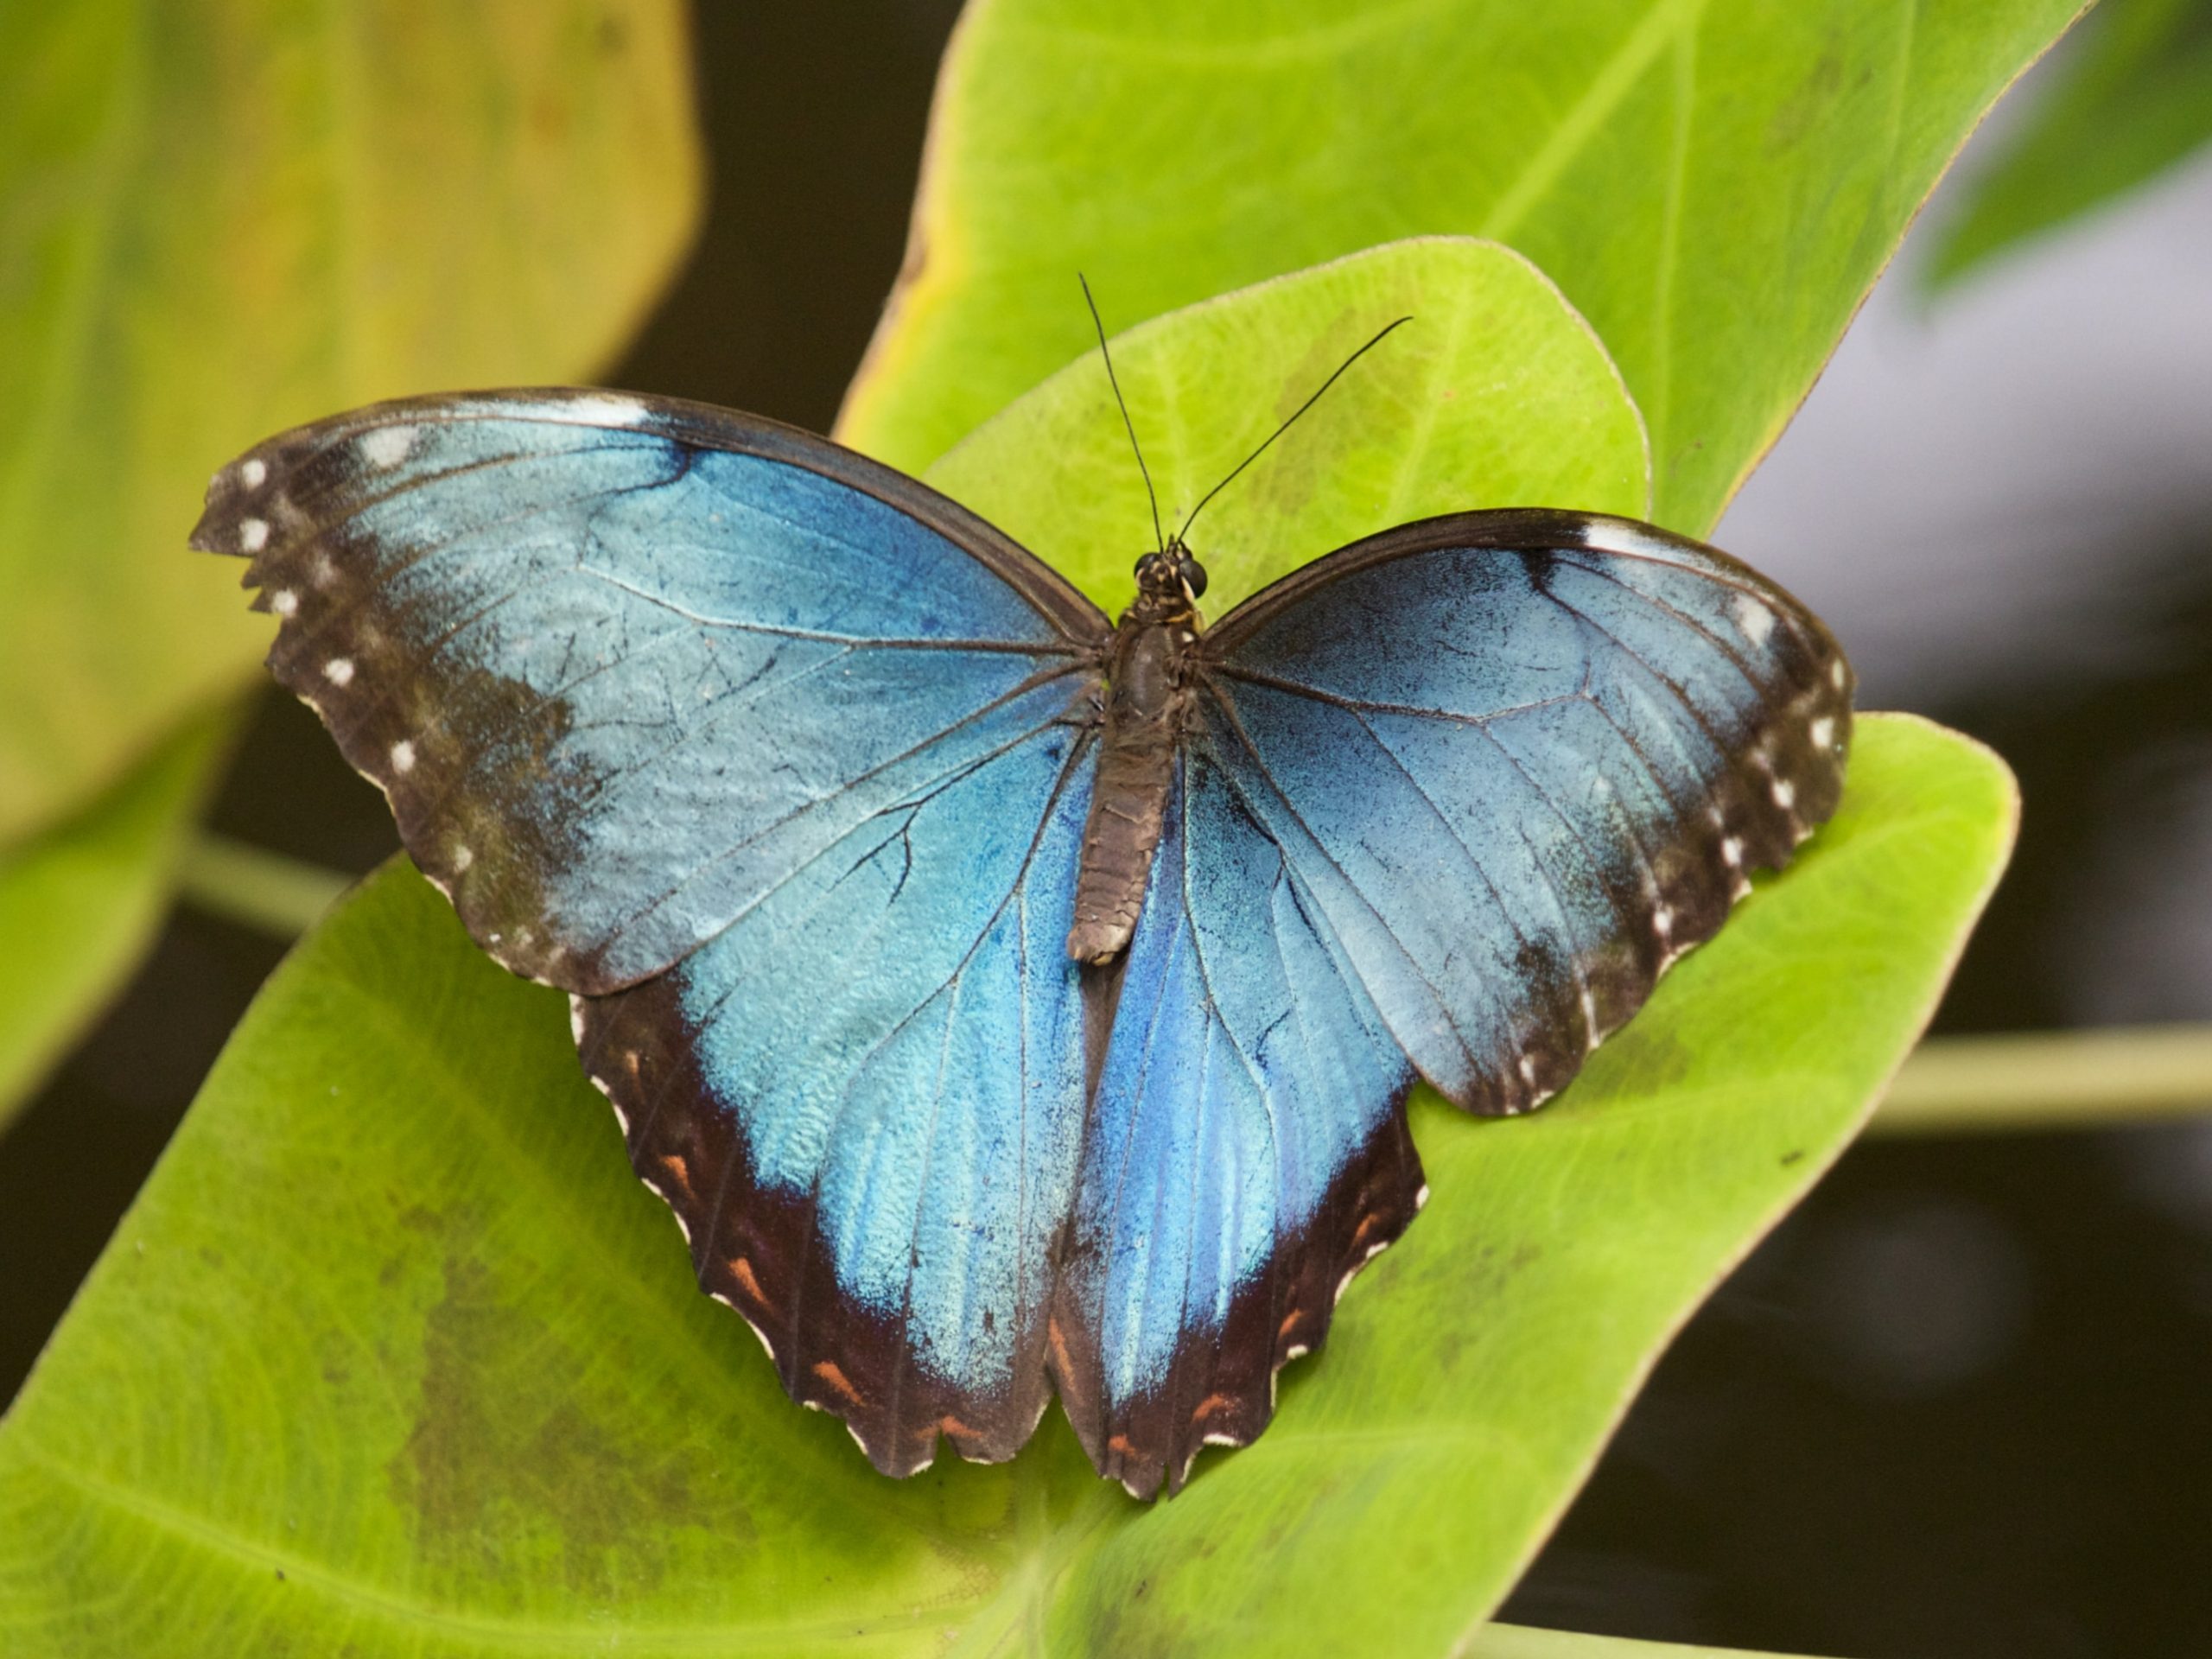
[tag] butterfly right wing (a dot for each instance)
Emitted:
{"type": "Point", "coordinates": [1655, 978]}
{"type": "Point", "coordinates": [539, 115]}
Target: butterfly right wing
{"type": "Point", "coordinates": [1455, 798]}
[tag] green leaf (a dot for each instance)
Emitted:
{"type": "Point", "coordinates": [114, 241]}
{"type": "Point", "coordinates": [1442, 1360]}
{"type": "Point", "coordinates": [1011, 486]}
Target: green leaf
{"type": "Point", "coordinates": [220, 218]}
{"type": "Point", "coordinates": [80, 902]}
{"type": "Point", "coordinates": [1495, 394]}
{"type": "Point", "coordinates": [394, 1354]}
{"type": "Point", "coordinates": [1713, 183]}
{"type": "Point", "coordinates": [2135, 98]}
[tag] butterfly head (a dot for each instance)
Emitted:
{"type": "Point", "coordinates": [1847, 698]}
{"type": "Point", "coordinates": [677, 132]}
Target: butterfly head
{"type": "Point", "coordinates": [1171, 574]}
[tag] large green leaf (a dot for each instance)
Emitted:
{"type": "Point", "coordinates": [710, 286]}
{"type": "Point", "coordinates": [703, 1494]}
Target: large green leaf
{"type": "Point", "coordinates": [79, 902]}
{"type": "Point", "coordinates": [393, 1353]}
{"type": "Point", "coordinates": [1495, 394]}
{"type": "Point", "coordinates": [1714, 183]}
{"type": "Point", "coordinates": [221, 218]}
{"type": "Point", "coordinates": [2135, 98]}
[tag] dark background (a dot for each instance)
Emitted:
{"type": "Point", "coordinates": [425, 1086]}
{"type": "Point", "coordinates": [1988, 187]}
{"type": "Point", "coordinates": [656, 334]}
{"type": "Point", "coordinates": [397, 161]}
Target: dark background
{"type": "Point", "coordinates": [1954, 1407]}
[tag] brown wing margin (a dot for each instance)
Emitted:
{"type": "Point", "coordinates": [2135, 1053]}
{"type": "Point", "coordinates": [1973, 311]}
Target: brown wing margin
{"type": "Point", "coordinates": [1506, 530]}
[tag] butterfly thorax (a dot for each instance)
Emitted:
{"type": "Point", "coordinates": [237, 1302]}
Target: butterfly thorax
{"type": "Point", "coordinates": [1149, 674]}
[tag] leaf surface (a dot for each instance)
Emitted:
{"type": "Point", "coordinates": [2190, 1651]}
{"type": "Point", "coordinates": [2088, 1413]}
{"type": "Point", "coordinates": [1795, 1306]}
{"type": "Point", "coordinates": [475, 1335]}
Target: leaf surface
{"type": "Point", "coordinates": [79, 903]}
{"type": "Point", "coordinates": [1713, 183]}
{"type": "Point", "coordinates": [221, 219]}
{"type": "Point", "coordinates": [2135, 98]}
{"type": "Point", "coordinates": [394, 1353]}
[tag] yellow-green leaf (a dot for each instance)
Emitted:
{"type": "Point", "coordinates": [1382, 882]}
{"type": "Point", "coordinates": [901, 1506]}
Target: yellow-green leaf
{"type": "Point", "coordinates": [79, 902]}
{"type": "Point", "coordinates": [221, 218]}
{"type": "Point", "coordinates": [1713, 183]}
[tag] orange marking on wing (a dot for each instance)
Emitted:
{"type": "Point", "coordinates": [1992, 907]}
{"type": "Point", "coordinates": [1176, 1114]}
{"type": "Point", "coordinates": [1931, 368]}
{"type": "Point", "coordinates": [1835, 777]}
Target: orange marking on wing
{"type": "Point", "coordinates": [741, 1270]}
{"type": "Point", "coordinates": [953, 1427]}
{"type": "Point", "coordinates": [675, 1166]}
{"type": "Point", "coordinates": [1288, 1321]}
{"type": "Point", "coordinates": [1367, 1225]}
{"type": "Point", "coordinates": [828, 1371]}
{"type": "Point", "coordinates": [1210, 1404]}
{"type": "Point", "coordinates": [1059, 1347]}
{"type": "Point", "coordinates": [1121, 1443]}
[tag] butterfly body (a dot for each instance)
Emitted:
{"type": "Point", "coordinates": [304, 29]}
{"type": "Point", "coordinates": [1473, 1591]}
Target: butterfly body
{"type": "Point", "coordinates": [1009, 1003]}
{"type": "Point", "coordinates": [1153, 667]}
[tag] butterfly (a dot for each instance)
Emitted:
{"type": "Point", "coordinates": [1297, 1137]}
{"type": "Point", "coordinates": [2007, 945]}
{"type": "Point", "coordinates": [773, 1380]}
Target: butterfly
{"type": "Point", "coordinates": [1009, 1001]}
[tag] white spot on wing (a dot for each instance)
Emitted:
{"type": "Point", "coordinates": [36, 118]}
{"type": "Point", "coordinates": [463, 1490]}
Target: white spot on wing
{"type": "Point", "coordinates": [284, 602]}
{"type": "Point", "coordinates": [1837, 672]}
{"type": "Point", "coordinates": [1732, 852]}
{"type": "Point", "coordinates": [1296, 1350]}
{"type": "Point", "coordinates": [254, 473]}
{"type": "Point", "coordinates": [388, 446]}
{"type": "Point", "coordinates": [1754, 618]}
{"type": "Point", "coordinates": [462, 858]}
{"type": "Point", "coordinates": [1420, 1198]}
{"type": "Point", "coordinates": [1663, 921]}
{"type": "Point", "coordinates": [598, 410]}
{"type": "Point", "coordinates": [403, 756]}
{"type": "Point", "coordinates": [253, 534]}
{"type": "Point", "coordinates": [1785, 794]}
{"type": "Point", "coordinates": [339, 670]}
{"type": "Point", "coordinates": [1823, 731]}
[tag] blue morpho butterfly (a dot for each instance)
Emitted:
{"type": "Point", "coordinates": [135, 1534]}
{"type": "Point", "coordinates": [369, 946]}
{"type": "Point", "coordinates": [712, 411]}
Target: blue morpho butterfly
{"type": "Point", "coordinates": [1004, 1000]}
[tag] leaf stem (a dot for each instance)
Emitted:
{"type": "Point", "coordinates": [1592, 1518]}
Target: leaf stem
{"type": "Point", "coordinates": [2051, 1080]}
{"type": "Point", "coordinates": [254, 887]}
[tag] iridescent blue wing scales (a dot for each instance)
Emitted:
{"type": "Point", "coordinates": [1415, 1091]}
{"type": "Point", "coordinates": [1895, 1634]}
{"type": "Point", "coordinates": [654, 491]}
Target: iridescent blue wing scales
{"type": "Point", "coordinates": [775, 759]}
{"type": "Point", "coordinates": [1455, 798]}
{"type": "Point", "coordinates": [1248, 1148]}
{"type": "Point", "coordinates": [621, 663]}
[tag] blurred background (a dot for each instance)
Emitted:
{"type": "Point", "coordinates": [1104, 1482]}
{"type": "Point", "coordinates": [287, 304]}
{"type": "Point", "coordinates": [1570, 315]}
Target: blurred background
{"type": "Point", "coordinates": [1955, 1406]}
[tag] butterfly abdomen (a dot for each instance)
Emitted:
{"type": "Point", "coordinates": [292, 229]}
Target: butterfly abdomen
{"type": "Point", "coordinates": [1148, 705]}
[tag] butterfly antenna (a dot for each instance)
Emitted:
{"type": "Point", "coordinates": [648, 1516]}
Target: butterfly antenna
{"type": "Point", "coordinates": [1159, 542]}
{"type": "Point", "coordinates": [1286, 426]}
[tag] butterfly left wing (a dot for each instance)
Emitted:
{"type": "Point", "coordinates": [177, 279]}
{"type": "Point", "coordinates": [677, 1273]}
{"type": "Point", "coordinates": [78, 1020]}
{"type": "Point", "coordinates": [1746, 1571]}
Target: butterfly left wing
{"type": "Point", "coordinates": [776, 759]}
{"type": "Point", "coordinates": [1458, 794]}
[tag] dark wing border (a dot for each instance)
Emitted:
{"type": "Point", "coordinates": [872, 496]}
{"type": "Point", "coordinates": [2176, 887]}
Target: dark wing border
{"type": "Point", "coordinates": [1508, 529]}
{"type": "Point", "coordinates": [704, 426]}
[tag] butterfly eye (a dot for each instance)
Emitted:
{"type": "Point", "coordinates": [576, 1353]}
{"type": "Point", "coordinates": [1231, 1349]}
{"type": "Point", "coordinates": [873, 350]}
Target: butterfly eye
{"type": "Point", "coordinates": [1148, 570]}
{"type": "Point", "coordinates": [1194, 577]}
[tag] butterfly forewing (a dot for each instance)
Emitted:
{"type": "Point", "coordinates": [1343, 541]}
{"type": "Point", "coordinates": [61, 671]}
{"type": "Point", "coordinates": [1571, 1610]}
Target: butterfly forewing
{"type": "Point", "coordinates": [622, 665]}
{"type": "Point", "coordinates": [1523, 760]}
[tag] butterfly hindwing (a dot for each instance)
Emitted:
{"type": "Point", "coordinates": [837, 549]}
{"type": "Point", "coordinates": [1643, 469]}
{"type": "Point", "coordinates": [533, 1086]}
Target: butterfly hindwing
{"type": "Point", "coordinates": [1247, 1149]}
{"type": "Point", "coordinates": [865, 1096]}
